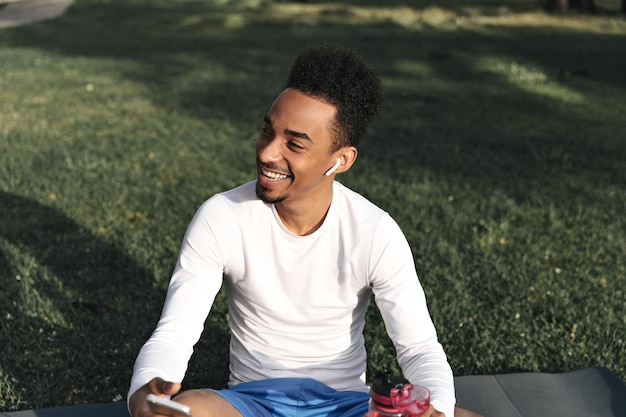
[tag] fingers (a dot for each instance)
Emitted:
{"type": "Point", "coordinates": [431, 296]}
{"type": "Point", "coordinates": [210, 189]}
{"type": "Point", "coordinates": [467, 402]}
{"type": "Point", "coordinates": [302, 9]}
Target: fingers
{"type": "Point", "coordinates": [161, 387]}
{"type": "Point", "coordinates": [431, 412]}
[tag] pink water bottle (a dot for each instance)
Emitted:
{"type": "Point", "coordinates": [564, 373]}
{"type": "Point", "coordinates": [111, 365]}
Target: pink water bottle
{"type": "Point", "coordinates": [394, 396]}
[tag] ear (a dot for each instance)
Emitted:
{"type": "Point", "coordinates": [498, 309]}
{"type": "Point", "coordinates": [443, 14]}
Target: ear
{"type": "Point", "coordinates": [347, 155]}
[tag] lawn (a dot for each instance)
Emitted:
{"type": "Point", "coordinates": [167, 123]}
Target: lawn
{"type": "Point", "coordinates": [500, 150]}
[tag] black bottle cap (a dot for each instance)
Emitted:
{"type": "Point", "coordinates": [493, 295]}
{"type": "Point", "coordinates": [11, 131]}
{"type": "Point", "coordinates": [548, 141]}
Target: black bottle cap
{"type": "Point", "coordinates": [384, 381]}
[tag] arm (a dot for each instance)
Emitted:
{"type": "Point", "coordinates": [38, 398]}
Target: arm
{"type": "Point", "coordinates": [402, 303]}
{"type": "Point", "coordinates": [194, 284]}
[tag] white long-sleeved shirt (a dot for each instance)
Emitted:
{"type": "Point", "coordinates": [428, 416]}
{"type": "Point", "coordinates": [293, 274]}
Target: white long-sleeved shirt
{"type": "Point", "coordinates": [297, 303]}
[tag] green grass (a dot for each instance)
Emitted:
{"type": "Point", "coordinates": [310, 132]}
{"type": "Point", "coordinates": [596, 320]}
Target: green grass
{"type": "Point", "coordinates": [500, 150]}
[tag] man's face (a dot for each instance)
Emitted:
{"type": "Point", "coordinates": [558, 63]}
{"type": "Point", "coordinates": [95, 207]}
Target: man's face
{"type": "Point", "coordinates": [293, 149]}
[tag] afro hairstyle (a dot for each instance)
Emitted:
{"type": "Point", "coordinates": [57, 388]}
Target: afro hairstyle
{"type": "Point", "coordinates": [339, 76]}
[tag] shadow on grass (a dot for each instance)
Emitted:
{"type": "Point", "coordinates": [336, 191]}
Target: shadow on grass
{"type": "Point", "coordinates": [190, 40]}
{"type": "Point", "coordinates": [89, 331]}
{"type": "Point", "coordinates": [452, 116]}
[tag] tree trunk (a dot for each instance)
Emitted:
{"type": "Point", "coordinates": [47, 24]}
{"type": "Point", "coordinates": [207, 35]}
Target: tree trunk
{"type": "Point", "coordinates": [557, 5]}
{"type": "Point", "coordinates": [583, 5]}
{"type": "Point", "coordinates": [580, 5]}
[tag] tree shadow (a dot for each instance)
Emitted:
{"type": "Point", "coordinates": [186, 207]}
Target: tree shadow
{"type": "Point", "coordinates": [57, 266]}
{"type": "Point", "coordinates": [252, 60]}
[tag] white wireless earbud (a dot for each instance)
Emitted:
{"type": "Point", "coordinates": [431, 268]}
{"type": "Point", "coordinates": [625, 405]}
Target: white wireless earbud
{"type": "Point", "coordinates": [330, 171]}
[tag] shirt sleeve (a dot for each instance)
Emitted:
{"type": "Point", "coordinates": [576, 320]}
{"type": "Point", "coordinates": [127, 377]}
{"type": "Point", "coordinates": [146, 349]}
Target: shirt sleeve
{"type": "Point", "coordinates": [402, 303]}
{"type": "Point", "coordinates": [195, 282]}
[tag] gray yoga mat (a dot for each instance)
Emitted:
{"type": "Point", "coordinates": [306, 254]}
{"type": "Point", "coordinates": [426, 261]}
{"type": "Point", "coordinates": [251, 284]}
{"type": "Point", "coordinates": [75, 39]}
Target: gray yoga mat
{"type": "Point", "coordinates": [590, 392]}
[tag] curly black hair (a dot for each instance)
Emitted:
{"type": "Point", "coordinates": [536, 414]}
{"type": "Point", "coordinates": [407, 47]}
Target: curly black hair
{"type": "Point", "coordinates": [339, 76]}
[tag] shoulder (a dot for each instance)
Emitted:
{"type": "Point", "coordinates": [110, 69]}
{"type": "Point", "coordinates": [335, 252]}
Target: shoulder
{"type": "Point", "coordinates": [238, 196]}
{"type": "Point", "coordinates": [234, 203]}
{"type": "Point", "coordinates": [356, 205]}
{"type": "Point", "coordinates": [363, 215]}
{"type": "Point", "coordinates": [242, 194]}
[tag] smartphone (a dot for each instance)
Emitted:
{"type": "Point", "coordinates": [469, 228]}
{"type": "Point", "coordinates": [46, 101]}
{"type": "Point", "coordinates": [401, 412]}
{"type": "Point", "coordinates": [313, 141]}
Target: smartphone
{"type": "Point", "coordinates": [159, 405]}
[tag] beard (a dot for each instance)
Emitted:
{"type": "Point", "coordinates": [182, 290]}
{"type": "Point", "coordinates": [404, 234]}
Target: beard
{"type": "Point", "coordinates": [262, 193]}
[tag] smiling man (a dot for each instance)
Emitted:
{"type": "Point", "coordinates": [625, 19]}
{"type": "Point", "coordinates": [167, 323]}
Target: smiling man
{"type": "Point", "coordinates": [299, 255]}
{"type": "Point", "coordinates": [294, 151]}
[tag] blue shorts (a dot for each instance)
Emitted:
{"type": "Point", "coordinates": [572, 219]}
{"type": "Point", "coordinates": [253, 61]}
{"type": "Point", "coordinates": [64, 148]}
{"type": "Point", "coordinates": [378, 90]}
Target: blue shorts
{"type": "Point", "coordinates": [294, 397]}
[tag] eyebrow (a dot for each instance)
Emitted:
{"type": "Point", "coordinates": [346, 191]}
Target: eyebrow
{"type": "Point", "coordinates": [289, 132]}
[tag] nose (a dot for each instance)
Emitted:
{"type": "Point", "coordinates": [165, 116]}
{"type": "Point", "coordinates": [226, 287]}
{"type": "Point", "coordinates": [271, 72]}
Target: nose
{"type": "Point", "coordinates": [268, 149]}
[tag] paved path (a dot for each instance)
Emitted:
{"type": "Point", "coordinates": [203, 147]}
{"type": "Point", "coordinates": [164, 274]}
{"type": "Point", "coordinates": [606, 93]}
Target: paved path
{"type": "Point", "coordinates": [21, 12]}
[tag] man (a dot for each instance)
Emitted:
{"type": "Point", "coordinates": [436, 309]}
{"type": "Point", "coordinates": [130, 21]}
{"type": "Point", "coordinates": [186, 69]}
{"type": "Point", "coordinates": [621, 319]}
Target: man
{"type": "Point", "coordinates": [299, 255]}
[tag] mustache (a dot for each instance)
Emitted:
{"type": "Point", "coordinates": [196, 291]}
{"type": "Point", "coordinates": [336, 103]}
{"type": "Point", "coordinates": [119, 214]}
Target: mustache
{"type": "Point", "coordinates": [274, 167]}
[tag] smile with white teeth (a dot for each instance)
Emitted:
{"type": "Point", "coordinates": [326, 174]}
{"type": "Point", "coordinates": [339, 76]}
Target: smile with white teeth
{"type": "Point", "coordinates": [273, 175]}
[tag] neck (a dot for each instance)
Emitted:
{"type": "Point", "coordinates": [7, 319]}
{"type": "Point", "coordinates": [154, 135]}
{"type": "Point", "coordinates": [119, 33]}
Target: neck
{"type": "Point", "coordinates": [304, 217]}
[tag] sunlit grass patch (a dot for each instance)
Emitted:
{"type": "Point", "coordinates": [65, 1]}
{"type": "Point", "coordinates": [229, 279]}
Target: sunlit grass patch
{"type": "Point", "coordinates": [498, 149]}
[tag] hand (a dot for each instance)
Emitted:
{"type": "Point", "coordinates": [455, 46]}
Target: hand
{"type": "Point", "coordinates": [431, 412]}
{"type": "Point", "coordinates": [138, 405]}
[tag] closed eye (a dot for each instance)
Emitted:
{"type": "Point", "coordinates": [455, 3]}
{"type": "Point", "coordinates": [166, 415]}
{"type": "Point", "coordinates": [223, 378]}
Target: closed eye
{"type": "Point", "coordinates": [294, 144]}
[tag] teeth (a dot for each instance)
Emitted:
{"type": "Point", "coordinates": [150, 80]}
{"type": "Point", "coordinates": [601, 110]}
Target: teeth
{"type": "Point", "coordinates": [273, 175]}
